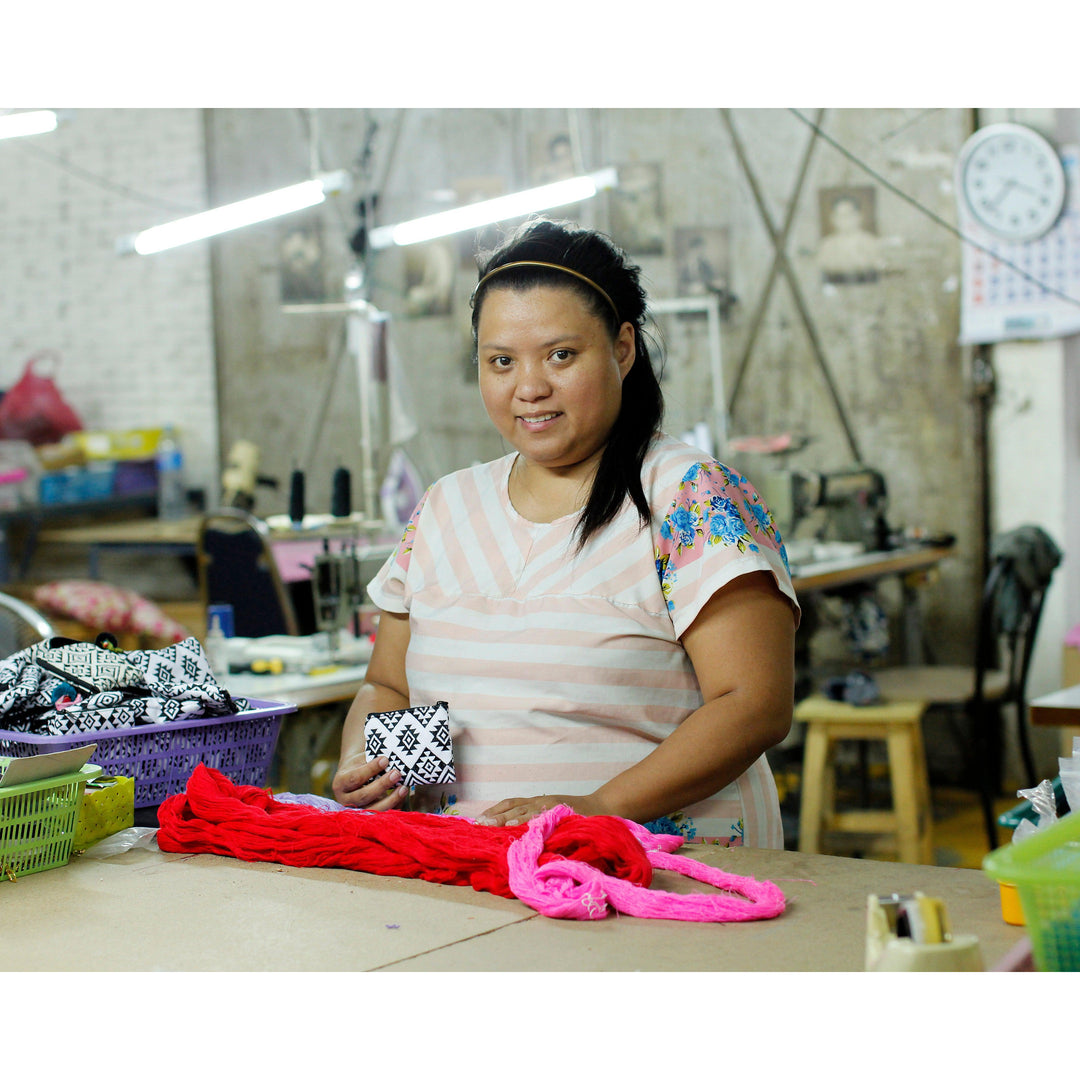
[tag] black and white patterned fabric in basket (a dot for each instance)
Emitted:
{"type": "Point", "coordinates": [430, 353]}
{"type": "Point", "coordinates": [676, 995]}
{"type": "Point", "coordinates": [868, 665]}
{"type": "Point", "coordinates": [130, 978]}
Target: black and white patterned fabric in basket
{"type": "Point", "coordinates": [50, 689]}
{"type": "Point", "coordinates": [416, 740]}
{"type": "Point", "coordinates": [89, 668]}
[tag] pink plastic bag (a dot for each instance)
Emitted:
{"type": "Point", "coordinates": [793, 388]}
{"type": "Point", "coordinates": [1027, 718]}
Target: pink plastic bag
{"type": "Point", "coordinates": [34, 410]}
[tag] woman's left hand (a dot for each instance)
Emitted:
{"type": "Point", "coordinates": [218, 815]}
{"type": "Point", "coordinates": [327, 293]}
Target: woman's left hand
{"type": "Point", "coordinates": [518, 811]}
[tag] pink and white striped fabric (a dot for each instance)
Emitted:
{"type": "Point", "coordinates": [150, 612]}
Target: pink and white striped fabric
{"type": "Point", "coordinates": [561, 668]}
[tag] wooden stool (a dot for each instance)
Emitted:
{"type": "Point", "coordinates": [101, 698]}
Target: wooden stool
{"type": "Point", "coordinates": [898, 724]}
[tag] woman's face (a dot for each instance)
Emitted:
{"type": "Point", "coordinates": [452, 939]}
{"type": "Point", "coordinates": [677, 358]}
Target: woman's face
{"type": "Point", "coordinates": [550, 375]}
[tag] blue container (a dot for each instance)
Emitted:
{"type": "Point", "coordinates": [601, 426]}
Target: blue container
{"type": "Point", "coordinates": [224, 613]}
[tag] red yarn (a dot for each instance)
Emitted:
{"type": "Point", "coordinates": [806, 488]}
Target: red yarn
{"type": "Point", "coordinates": [219, 817]}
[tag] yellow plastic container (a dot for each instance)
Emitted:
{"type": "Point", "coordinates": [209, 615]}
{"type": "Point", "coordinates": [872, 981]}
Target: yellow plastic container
{"type": "Point", "coordinates": [132, 445]}
{"type": "Point", "coordinates": [1011, 910]}
{"type": "Point", "coordinates": [108, 806]}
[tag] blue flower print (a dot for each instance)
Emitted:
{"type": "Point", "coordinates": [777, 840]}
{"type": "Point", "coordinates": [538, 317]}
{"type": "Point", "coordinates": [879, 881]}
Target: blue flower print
{"type": "Point", "coordinates": [783, 552]}
{"type": "Point", "coordinates": [726, 525]}
{"type": "Point", "coordinates": [761, 516]}
{"type": "Point", "coordinates": [677, 824]}
{"type": "Point", "coordinates": [714, 508]}
{"type": "Point", "coordinates": [731, 477]}
{"type": "Point", "coordinates": [734, 840]}
{"type": "Point", "coordinates": [681, 526]}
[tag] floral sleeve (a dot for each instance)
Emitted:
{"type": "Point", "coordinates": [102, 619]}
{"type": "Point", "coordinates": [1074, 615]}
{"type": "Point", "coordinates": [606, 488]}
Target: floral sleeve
{"type": "Point", "coordinates": [387, 588]}
{"type": "Point", "coordinates": [715, 528]}
{"type": "Point", "coordinates": [408, 537]}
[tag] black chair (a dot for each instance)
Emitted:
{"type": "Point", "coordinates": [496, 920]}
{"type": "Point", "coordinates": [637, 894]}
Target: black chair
{"type": "Point", "coordinates": [1022, 565]}
{"type": "Point", "coordinates": [236, 566]}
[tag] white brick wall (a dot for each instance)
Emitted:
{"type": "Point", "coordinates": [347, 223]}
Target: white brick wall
{"type": "Point", "coordinates": [135, 333]}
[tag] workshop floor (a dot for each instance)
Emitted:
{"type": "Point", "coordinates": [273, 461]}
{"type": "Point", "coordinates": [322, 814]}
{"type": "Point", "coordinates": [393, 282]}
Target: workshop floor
{"type": "Point", "coordinates": [958, 833]}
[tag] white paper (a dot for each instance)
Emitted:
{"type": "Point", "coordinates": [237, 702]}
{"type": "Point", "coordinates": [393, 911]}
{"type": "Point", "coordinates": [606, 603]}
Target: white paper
{"type": "Point", "coordinates": [45, 766]}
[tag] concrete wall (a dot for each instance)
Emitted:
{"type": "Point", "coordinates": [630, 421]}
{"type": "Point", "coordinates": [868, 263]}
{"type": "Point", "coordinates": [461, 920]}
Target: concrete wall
{"type": "Point", "coordinates": [888, 344]}
{"type": "Point", "coordinates": [134, 334]}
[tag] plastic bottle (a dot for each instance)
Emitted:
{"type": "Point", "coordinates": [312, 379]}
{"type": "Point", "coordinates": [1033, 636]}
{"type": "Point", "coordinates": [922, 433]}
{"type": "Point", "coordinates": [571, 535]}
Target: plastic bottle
{"type": "Point", "coordinates": [216, 648]}
{"type": "Point", "coordinates": [171, 496]}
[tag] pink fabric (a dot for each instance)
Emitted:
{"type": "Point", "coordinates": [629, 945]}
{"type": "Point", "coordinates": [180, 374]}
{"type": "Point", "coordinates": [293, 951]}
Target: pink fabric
{"type": "Point", "coordinates": [101, 606]}
{"type": "Point", "coordinates": [295, 558]}
{"type": "Point", "coordinates": [568, 889]}
{"type": "Point", "coordinates": [1072, 638]}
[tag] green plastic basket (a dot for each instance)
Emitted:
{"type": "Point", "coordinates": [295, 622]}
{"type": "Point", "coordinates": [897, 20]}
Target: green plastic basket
{"type": "Point", "coordinates": [1045, 868]}
{"type": "Point", "coordinates": [37, 821]}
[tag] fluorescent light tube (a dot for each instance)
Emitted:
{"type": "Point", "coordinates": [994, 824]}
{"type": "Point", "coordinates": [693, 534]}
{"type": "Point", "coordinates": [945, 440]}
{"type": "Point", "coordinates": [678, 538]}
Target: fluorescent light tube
{"type": "Point", "coordinates": [27, 123]}
{"type": "Point", "coordinates": [475, 215]}
{"type": "Point", "coordinates": [235, 215]}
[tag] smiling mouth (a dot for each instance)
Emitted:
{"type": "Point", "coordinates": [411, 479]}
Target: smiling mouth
{"type": "Point", "coordinates": [536, 421]}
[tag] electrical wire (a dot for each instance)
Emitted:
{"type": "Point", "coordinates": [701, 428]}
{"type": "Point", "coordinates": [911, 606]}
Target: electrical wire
{"type": "Point", "coordinates": [936, 218]}
{"type": "Point", "coordinates": [101, 181]}
{"type": "Point", "coordinates": [909, 123]}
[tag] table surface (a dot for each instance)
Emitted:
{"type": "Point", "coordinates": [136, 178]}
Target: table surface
{"type": "Point", "coordinates": [140, 531]}
{"type": "Point", "coordinates": [834, 573]}
{"type": "Point", "coordinates": [299, 689]}
{"type": "Point", "coordinates": [1059, 709]}
{"type": "Point", "coordinates": [148, 910]}
{"type": "Point", "coordinates": [186, 530]}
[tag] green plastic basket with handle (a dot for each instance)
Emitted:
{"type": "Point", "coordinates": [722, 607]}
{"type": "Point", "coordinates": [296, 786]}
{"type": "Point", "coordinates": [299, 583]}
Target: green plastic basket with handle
{"type": "Point", "coordinates": [37, 821]}
{"type": "Point", "coordinates": [1045, 868]}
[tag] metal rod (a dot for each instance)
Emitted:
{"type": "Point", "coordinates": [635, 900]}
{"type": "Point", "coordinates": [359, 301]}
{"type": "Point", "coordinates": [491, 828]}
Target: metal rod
{"type": "Point", "coordinates": [778, 241]}
{"type": "Point", "coordinates": [800, 303]}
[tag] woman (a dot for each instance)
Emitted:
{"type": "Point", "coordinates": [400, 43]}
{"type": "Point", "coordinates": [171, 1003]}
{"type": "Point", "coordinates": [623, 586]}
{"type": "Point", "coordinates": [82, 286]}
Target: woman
{"type": "Point", "coordinates": [608, 614]}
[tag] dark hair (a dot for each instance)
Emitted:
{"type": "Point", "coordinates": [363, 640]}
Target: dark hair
{"type": "Point", "coordinates": [597, 258]}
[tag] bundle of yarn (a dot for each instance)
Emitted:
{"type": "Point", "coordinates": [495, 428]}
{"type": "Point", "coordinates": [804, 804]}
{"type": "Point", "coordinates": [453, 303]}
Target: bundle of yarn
{"type": "Point", "coordinates": [561, 864]}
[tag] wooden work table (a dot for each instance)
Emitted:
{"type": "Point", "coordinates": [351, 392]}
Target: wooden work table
{"type": "Point", "coordinates": [852, 569]}
{"type": "Point", "coordinates": [146, 910]}
{"type": "Point", "coordinates": [1059, 709]}
{"type": "Point", "coordinates": [902, 563]}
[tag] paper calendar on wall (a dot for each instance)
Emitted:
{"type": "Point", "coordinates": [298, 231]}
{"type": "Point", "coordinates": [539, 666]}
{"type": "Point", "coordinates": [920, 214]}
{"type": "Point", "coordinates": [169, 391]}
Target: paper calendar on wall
{"type": "Point", "coordinates": [998, 303]}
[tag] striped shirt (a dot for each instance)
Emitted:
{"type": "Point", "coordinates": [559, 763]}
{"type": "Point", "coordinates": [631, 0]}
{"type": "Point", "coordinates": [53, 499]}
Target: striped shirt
{"type": "Point", "coordinates": [563, 668]}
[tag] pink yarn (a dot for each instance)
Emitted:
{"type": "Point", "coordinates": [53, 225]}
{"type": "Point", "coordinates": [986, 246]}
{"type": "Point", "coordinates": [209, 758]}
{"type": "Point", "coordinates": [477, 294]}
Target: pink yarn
{"type": "Point", "coordinates": [568, 889]}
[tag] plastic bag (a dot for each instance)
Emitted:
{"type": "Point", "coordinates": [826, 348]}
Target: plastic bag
{"type": "Point", "coordinates": [1070, 775]}
{"type": "Point", "coordinates": [1044, 802]}
{"type": "Point", "coordinates": [137, 836]}
{"type": "Point", "coordinates": [34, 409]}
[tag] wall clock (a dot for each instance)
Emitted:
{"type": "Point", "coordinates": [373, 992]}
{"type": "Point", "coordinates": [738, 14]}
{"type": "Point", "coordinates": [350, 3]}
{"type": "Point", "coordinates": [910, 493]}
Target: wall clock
{"type": "Point", "coordinates": [1011, 180]}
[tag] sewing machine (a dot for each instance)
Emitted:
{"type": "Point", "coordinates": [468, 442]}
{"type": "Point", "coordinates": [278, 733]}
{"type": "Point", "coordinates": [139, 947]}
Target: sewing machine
{"type": "Point", "coordinates": [339, 581]}
{"type": "Point", "coordinates": [846, 505]}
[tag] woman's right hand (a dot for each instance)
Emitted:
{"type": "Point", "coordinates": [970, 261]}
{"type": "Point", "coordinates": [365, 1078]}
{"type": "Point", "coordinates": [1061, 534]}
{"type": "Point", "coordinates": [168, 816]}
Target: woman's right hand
{"type": "Point", "coordinates": [368, 784]}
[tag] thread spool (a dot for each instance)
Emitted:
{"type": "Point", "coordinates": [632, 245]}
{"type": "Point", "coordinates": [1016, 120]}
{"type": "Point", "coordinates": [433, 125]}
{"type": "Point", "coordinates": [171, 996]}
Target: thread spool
{"type": "Point", "coordinates": [341, 493]}
{"type": "Point", "coordinates": [296, 497]}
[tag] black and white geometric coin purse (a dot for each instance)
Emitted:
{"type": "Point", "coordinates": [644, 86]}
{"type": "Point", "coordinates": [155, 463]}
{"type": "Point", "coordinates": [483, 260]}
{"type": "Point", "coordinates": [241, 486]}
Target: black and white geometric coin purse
{"type": "Point", "coordinates": [416, 740]}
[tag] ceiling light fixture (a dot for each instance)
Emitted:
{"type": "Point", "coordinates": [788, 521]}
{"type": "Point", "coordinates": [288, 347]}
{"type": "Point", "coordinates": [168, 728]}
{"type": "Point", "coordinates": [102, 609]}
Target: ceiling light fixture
{"type": "Point", "coordinates": [235, 215]}
{"type": "Point", "coordinates": [476, 215]}
{"type": "Point", "coordinates": [36, 122]}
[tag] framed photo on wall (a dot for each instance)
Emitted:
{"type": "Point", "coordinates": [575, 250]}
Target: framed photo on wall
{"type": "Point", "coordinates": [703, 260]}
{"type": "Point", "coordinates": [637, 223]}
{"type": "Point", "coordinates": [850, 251]}
{"type": "Point", "coordinates": [551, 157]}
{"type": "Point", "coordinates": [300, 256]}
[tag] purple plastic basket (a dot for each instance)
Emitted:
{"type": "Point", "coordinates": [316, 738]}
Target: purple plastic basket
{"type": "Point", "coordinates": [161, 757]}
